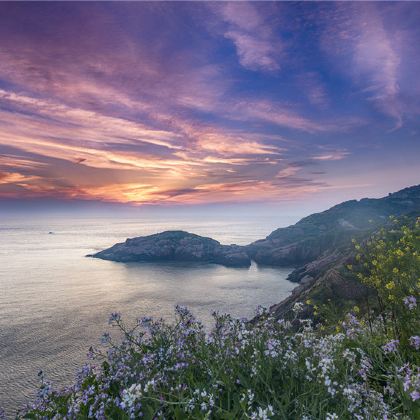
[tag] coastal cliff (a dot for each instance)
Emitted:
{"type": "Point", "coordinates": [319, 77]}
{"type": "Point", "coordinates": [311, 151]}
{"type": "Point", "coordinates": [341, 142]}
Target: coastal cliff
{"type": "Point", "coordinates": [332, 230]}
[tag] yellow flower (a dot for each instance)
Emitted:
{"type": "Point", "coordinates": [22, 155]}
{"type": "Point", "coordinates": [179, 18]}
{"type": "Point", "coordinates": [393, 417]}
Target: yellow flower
{"type": "Point", "coordinates": [390, 285]}
{"type": "Point", "coordinates": [356, 309]}
{"type": "Point", "coordinates": [395, 270]}
{"type": "Point", "coordinates": [391, 298]}
{"type": "Point", "coordinates": [337, 329]}
{"type": "Point", "coordinates": [349, 267]}
{"type": "Point", "coordinates": [308, 301]}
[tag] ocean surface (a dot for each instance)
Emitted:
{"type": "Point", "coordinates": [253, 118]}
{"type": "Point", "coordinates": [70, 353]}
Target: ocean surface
{"type": "Point", "coordinates": [55, 303]}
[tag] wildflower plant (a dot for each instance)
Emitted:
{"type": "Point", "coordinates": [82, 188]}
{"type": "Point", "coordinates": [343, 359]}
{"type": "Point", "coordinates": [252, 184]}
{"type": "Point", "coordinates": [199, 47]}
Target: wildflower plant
{"type": "Point", "coordinates": [259, 370]}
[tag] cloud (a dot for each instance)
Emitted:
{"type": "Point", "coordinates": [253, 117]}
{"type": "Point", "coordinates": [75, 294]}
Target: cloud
{"type": "Point", "coordinates": [313, 88]}
{"type": "Point", "coordinates": [371, 46]}
{"type": "Point", "coordinates": [48, 136]}
{"type": "Point", "coordinates": [377, 59]}
{"type": "Point", "coordinates": [119, 129]}
{"type": "Point", "coordinates": [19, 162]}
{"type": "Point", "coordinates": [331, 155]}
{"type": "Point", "coordinates": [102, 112]}
{"type": "Point", "coordinates": [285, 116]}
{"type": "Point", "coordinates": [279, 115]}
{"type": "Point", "coordinates": [288, 172]}
{"type": "Point", "coordinates": [257, 45]}
{"type": "Point", "coordinates": [14, 178]}
{"type": "Point", "coordinates": [184, 162]}
{"type": "Point", "coordinates": [243, 191]}
{"type": "Point", "coordinates": [226, 144]}
{"type": "Point", "coordinates": [254, 53]}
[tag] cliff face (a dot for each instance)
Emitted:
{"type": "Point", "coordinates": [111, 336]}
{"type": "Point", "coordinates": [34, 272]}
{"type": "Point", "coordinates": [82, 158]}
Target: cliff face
{"type": "Point", "coordinates": [332, 229]}
{"type": "Point", "coordinates": [176, 246]}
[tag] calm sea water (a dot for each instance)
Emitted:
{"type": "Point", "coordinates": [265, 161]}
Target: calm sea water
{"type": "Point", "coordinates": [54, 302]}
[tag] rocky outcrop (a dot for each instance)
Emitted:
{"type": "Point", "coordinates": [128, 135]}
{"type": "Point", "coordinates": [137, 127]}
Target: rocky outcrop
{"type": "Point", "coordinates": [323, 281]}
{"type": "Point", "coordinates": [176, 246]}
{"type": "Point", "coordinates": [315, 268]}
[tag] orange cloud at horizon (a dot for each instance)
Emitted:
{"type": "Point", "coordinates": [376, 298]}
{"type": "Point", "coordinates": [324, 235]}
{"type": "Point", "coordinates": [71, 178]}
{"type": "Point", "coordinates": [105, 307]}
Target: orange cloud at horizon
{"type": "Point", "coordinates": [55, 145]}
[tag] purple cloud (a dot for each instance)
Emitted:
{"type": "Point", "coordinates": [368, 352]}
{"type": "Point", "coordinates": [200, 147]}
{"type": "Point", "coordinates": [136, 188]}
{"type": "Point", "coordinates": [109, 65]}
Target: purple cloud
{"type": "Point", "coordinates": [257, 45]}
{"type": "Point", "coordinates": [370, 43]}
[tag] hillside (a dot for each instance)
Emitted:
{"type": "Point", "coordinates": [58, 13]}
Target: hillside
{"type": "Point", "coordinates": [332, 229]}
{"type": "Point", "coordinates": [325, 278]}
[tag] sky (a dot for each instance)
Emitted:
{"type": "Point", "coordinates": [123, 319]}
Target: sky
{"type": "Point", "coordinates": [166, 104]}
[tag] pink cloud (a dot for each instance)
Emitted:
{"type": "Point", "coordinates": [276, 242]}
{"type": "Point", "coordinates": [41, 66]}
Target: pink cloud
{"type": "Point", "coordinates": [179, 158]}
{"type": "Point", "coordinates": [257, 46]}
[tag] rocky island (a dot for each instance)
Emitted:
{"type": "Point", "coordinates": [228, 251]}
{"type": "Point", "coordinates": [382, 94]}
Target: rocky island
{"type": "Point", "coordinates": [176, 246]}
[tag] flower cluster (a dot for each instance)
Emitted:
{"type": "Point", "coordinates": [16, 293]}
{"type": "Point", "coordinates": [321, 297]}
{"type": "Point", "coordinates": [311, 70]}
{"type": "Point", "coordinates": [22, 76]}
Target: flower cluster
{"type": "Point", "coordinates": [257, 370]}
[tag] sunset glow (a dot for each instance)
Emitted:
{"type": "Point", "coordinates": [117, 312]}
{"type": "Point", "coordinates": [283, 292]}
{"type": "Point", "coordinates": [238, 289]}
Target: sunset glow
{"type": "Point", "coordinates": [157, 103]}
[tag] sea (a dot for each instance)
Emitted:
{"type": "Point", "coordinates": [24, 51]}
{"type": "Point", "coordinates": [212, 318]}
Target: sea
{"type": "Point", "coordinates": [55, 302]}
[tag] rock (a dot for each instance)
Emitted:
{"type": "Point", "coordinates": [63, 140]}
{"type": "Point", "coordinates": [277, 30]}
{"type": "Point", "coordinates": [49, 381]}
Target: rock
{"type": "Point", "coordinates": [176, 246]}
{"type": "Point", "coordinates": [307, 280]}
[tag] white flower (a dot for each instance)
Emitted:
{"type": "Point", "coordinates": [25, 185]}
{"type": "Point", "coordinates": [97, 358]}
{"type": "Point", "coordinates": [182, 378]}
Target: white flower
{"type": "Point", "coordinates": [297, 307]}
